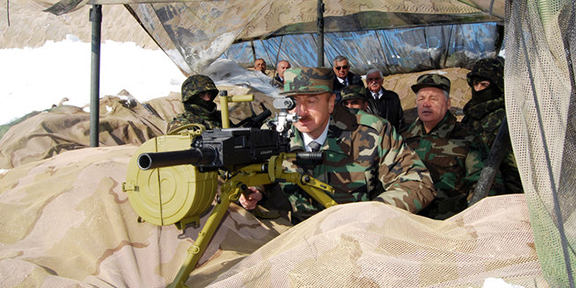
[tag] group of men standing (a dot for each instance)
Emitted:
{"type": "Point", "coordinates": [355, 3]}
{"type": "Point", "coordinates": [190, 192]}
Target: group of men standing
{"type": "Point", "coordinates": [429, 167]}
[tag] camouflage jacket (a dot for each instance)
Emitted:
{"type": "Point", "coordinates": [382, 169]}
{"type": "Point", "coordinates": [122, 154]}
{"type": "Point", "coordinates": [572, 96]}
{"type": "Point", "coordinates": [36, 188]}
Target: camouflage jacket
{"type": "Point", "coordinates": [364, 160]}
{"type": "Point", "coordinates": [198, 115]}
{"type": "Point", "coordinates": [484, 119]}
{"type": "Point", "coordinates": [454, 158]}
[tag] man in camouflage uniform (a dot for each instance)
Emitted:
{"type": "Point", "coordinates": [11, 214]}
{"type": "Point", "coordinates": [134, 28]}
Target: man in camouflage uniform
{"type": "Point", "coordinates": [198, 93]}
{"type": "Point", "coordinates": [451, 153]}
{"type": "Point", "coordinates": [364, 157]}
{"type": "Point", "coordinates": [485, 112]}
{"type": "Point", "coordinates": [353, 97]}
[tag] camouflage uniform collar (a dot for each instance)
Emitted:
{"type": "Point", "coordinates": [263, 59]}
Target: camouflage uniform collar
{"type": "Point", "coordinates": [341, 120]}
{"type": "Point", "coordinates": [442, 129]}
{"type": "Point", "coordinates": [478, 111]}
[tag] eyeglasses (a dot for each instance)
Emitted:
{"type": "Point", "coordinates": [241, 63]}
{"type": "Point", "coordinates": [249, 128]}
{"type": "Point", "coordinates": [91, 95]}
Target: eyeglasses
{"type": "Point", "coordinates": [341, 67]}
{"type": "Point", "coordinates": [374, 79]}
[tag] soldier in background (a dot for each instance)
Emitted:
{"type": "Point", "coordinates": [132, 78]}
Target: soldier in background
{"type": "Point", "coordinates": [365, 158]}
{"type": "Point", "coordinates": [485, 112]}
{"type": "Point", "coordinates": [452, 154]}
{"type": "Point", "coordinates": [353, 97]}
{"type": "Point", "coordinates": [198, 93]}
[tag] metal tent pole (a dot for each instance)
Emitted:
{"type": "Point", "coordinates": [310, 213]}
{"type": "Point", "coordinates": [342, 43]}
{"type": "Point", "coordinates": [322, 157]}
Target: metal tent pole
{"type": "Point", "coordinates": [96, 19]}
{"type": "Point", "coordinates": [320, 25]}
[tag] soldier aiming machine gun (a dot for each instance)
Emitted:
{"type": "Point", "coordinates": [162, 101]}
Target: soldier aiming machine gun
{"type": "Point", "coordinates": [178, 175]}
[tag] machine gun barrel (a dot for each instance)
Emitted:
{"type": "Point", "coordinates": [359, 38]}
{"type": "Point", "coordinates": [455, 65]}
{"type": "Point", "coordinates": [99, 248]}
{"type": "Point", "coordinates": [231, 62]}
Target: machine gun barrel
{"type": "Point", "coordinates": [193, 156]}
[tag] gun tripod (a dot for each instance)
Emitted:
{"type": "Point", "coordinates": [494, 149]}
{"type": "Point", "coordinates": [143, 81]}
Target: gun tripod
{"type": "Point", "coordinates": [251, 175]}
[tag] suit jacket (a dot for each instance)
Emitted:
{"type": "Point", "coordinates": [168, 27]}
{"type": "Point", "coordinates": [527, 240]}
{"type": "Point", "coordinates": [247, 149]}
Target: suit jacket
{"type": "Point", "coordinates": [387, 107]}
{"type": "Point", "coordinates": [277, 82]}
{"type": "Point", "coordinates": [352, 78]}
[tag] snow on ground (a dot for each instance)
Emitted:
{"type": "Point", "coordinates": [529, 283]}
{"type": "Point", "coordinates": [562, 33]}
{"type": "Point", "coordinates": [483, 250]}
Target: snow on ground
{"type": "Point", "coordinates": [34, 79]}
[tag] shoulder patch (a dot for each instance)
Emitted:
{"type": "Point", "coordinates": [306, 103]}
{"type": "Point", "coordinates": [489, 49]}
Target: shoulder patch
{"type": "Point", "coordinates": [370, 120]}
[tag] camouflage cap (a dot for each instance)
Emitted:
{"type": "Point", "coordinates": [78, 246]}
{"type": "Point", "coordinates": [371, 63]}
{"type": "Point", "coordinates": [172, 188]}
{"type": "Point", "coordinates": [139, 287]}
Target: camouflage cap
{"type": "Point", "coordinates": [197, 84]}
{"type": "Point", "coordinates": [432, 80]}
{"type": "Point", "coordinates": [306, 80]}
{"type": "Point", "coordinates": [488, 69]}
{"type": "Point", "coordinates": [353, 92]}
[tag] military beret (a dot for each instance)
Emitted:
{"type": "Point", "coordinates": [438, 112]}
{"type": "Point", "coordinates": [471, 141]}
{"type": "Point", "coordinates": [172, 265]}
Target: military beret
{"type": "Point", "coordinates": [353, 92]}
{"type": "Point", "coordinates": [306, 80]}
{"type": "Point", "coordinates": [432, 80]}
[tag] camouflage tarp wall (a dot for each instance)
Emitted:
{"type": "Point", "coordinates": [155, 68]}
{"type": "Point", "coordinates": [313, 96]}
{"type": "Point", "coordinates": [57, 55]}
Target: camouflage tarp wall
{"type": "Point", "coordinates": [393, 51]}
{"type": "Point", "coordinates": [186, 32]}
{"type": "Point", "coordinates": [67, 128]}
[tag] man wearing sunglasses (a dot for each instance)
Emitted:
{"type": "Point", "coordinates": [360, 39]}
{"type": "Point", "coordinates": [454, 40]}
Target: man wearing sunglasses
{"type": "Point", "coordinates": [342, 76]}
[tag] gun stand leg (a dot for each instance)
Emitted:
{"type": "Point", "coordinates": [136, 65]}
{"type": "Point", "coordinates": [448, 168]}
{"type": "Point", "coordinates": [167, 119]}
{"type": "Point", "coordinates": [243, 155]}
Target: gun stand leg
{"type": "Point", "coordinates": [197, 249]}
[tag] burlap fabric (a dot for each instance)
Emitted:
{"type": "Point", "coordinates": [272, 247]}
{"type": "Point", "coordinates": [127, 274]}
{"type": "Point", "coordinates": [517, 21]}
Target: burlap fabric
{"type": "Point", "coordinates": [65, 222]}
{"type": "Point", "coordinates": [66, 128]}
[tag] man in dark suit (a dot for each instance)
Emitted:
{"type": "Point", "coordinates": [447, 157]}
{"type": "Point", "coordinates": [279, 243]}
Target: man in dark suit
{"type": "Point", "coordinates": [278, 80]}
{"type": "Point", "coordinates": [382, 102]}
{"type": "Point", "coordinates": [343, 76]}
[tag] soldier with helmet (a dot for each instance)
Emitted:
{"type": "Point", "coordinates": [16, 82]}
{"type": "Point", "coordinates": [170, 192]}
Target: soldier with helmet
{"type": "Point", "coordinates": [452, 154]}
{"type": "Point", "coordinates": [198, 93]}
{"type": "Point", "coordinates": [485, 112]}
{"type": "Point", "coordinates": [353, 97]}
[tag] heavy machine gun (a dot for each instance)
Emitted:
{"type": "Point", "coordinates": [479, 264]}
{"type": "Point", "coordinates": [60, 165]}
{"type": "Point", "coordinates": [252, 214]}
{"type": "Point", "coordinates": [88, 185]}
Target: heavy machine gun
{"type": "Point", "coordinates": [176, 178]}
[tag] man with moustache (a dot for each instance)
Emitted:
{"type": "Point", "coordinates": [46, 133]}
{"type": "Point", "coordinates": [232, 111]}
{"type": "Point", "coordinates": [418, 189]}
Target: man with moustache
{"type": "Point", "coordinates": [452, 154]}
{"type": "Point", "coordinates": [365, 159]}
{"type": "Point", "coordinates": [382, 102]}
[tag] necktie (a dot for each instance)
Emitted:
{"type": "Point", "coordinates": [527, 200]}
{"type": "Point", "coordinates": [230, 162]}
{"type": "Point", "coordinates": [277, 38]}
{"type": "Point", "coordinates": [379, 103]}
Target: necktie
{"type": "Point", "coordinates": [314, 146]}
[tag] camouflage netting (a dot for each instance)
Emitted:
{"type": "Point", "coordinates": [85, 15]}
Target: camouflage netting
{"type": "Point", "coordinates": [541, 110]}
{"type": "Point", "coordinates": [66, 222]}
{"type": "Point", "coordinates": [24, 24]}
{"type": "Point", "coordinates": [77, 229]}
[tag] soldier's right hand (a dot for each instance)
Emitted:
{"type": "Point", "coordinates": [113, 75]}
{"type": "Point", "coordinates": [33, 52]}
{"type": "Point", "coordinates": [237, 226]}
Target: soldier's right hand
{"type": "Point", "coordinates": [251, 201]}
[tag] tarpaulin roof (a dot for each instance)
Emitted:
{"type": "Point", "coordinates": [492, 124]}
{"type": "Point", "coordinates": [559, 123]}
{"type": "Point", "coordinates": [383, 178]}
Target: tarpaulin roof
{"type": "Point", "coordinates": [395, 36]}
